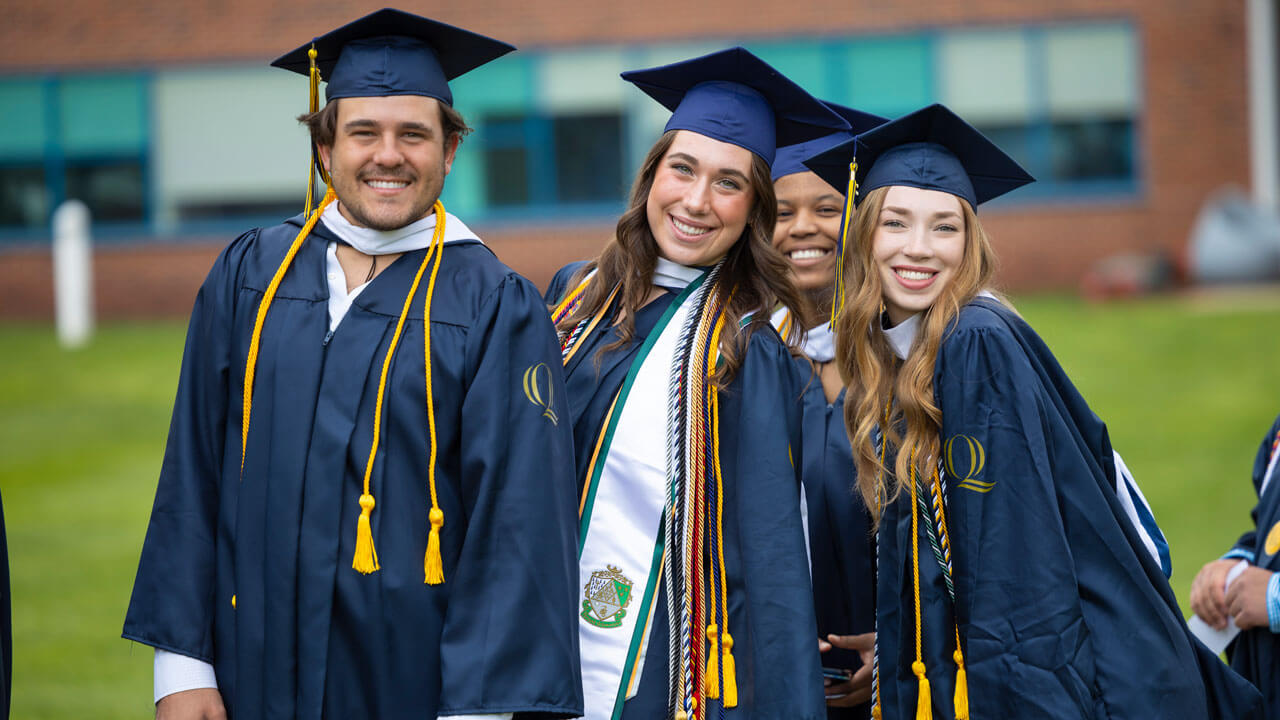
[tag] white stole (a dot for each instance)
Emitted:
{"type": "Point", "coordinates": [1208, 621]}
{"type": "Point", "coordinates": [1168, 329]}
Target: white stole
{"type": "Point", "coordinates": [621, 551]}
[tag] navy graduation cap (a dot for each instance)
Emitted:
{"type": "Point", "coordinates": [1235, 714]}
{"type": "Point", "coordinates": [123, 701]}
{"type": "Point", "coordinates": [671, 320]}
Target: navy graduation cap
{"type": "Point", "coordinates": [735, 97]}
{"type": "Point", "coordinates": [931, 148]}
{"type": "Point", "coordinates": [392, 52]}
{"type": "Point", "coordinates": [790, 159]}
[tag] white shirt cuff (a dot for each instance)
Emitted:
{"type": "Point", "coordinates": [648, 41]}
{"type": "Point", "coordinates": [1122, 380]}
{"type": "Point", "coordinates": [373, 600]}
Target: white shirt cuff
{"type": "Point", "coordinates": [175, 673]}
{"type": "Point", "coordinates": [491, 716]}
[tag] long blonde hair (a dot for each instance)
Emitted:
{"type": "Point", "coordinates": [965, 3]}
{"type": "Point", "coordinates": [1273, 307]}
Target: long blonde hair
{"type": "Point", "coordinates": [879, 383]}
{"type": "Point", "coordinates": [758, 271]}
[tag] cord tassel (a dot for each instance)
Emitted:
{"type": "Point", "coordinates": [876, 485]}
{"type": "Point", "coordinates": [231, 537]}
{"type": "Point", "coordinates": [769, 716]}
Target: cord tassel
{"type": "Point", "coordinates": [366, 558]}
{"type": "Point", "coordinates": [962, 687]}
{"type": "Point", "coordinates": [924, 705]}
{"type": "Point", "coordinates": [432, 564]}
{"type": "Point", "coordinates": [730, 672]}
{"type": "Point", "coordinates": [711, 680]}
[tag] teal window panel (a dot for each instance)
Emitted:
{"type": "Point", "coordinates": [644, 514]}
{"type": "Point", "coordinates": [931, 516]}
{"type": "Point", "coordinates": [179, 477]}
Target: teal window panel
{"type": "Point", "coordinates": [103, 114]}
{"type": "Point", "coordinates": [504, 85]}
{"type": "Point", "coordinates": [886, 75]}
{"type": "Point", "coordinates": [23, 120]}
{"type": "Point", "coordinates": [803, 63]}
{"type": "Point", "coordinates": [463, 193]}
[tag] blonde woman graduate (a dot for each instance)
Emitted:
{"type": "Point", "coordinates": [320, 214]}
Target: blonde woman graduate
{"type": "Point", "coordinates": [837, 524]}
{"type": "Point", "coordinates": [1013, 582]}
{"type": "Point", "coordinates": [695, 599]}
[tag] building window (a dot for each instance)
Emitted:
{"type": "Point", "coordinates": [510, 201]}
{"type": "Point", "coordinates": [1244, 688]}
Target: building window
{"type": "Point", "coordinates": [556, 160]}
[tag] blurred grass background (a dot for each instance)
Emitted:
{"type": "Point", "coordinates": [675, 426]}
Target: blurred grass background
{"type": "Point", "coordinates": [1187, 385]}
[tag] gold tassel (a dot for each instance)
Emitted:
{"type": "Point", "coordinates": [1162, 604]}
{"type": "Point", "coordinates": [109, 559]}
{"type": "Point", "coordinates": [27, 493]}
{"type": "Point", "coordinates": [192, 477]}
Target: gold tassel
{"type": "Point", "coordinates": [924, 705]}
{"type": "Point", "coordinates": [711, 680]}
{"type": "Point", "coordinates": [730, 672]}
{"type": "Point", "coordinates": [432, 564]}
{"type": "Point", "coordinates": [962, 687]}
{"type": "Point", "coordinates": [366, 559]}
{"type": "Point", "coordinates": [875, 711]}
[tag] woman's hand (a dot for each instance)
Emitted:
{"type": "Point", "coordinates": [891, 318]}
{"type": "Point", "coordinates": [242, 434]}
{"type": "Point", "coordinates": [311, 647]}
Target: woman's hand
{"type": "Point", "coordinates": [1247, 598]}
{"type": "Point", "coordinates": [199, 704]}
{"type": "Point", "coordinates": [857, 688]}
{"type": "Point", "coordinates": [1207, 597]}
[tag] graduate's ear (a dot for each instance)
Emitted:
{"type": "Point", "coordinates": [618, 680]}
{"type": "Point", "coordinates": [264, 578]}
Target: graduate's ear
{"type": "Point", "coordinates": [325, 151]}
{"type": "Point", "coordinates": [451, 150]}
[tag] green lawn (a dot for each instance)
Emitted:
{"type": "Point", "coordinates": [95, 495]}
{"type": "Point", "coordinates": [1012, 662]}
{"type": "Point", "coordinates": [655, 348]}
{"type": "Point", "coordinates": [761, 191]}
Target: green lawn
{"type": "Point", "coordinates": [1187, 388]}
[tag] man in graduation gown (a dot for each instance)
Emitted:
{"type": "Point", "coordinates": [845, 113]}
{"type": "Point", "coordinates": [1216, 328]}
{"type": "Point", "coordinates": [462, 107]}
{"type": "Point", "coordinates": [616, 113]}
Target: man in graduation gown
{"type": "Point", "coordinates": [1252, 599]}
{"type": "Point", "coordinates": [357, 518]}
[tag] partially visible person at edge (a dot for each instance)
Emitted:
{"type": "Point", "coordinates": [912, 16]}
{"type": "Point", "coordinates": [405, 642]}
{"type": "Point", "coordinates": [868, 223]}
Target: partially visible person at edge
{"type": "Point", "coordinates": [686, 414]}
{"type": "Point", "coordinates": [837, 524]}
{"type": "Point", "coordinates": [1253, 598]}
{"type": "Point", "coordinates": [6, 625]}
{"type": "Point", "coordinates": [398, 361]}
{"type": "Point", "coordinates": [1013, 581]}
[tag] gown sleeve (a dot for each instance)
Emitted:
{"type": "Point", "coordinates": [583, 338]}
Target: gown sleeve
{"type": "Point", "coordinates": [785, 674]}
{"type": "Point", "coordinates": [1015, 584]}
{"type": "Point", "coordinates": [510, 640]}
{"type": "Point", "coordinates": [1245, 546]}
{"type": "Point", "coordinates": [173, 593]}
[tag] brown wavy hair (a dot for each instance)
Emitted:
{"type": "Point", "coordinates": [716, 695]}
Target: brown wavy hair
{"type": "Point", "coordinates": [876, 378]}
{"type": "Point", "coordinates": [754, 271]}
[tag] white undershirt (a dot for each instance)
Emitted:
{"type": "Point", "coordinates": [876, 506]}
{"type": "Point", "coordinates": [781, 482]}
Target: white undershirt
{"type": "Point", "coordinates": [174, 672]}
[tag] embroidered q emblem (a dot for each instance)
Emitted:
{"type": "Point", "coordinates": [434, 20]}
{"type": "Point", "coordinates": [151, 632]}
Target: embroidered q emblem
{"type": "Point", "coordinates": [537, 388]}
{"type": "Point", "coordinates": [965, 460]}
{"type": "Point", "coordinates": [607, 595]}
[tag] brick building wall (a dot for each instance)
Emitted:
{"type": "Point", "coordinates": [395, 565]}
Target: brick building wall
{"type": "Point", "coordinates": [1193, 135]}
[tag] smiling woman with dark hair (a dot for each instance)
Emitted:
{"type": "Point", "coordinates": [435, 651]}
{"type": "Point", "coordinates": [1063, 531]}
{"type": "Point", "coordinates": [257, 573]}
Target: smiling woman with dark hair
{"type": "Point", "coordinates": [684, 403]}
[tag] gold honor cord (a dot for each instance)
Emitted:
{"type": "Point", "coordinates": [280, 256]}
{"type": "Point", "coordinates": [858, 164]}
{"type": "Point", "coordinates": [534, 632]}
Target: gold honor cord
{"type": "Point", "coordinates": [432, 564]}
{"type": "Point", "coordinates": [961, 699]}
{"type": "Point", "coordinates": [851, 192]}
{"type": "Point", "coordinates": [582, 338]}
{"type": "Point", "coordinates": [924, 702]}
{"type": "Point", "coordinates": [251, 362]}
{"type": "Point", "coordinates": [876, 711]}
{"type": "Point", "coordinates": [366, 556]}
{"type": "Point", "coordinates": [723, 640]}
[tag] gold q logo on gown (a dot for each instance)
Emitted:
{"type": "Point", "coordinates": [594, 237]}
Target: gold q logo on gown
{"type": "Point", "coordinates": [965, 460]}
{"type": "Point", "coordinates": [1273, 540]}
{"type": "Point", "coordinates": [608, 593]}
{"type": "Point", "coordinates": [536, 379]}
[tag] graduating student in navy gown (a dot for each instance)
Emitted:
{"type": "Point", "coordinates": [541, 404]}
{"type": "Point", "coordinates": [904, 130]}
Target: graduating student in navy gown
{"type": "Point", "coordinates": [686, 415]}
{"type": "Point", "coordinates": [841, 543]}
{"type": "Point", "coordinates": [1012, 581]}
{"type": "Point", "coordinates": [366, 505]}
{"type": "Point", "coordinates": [1252, 599]}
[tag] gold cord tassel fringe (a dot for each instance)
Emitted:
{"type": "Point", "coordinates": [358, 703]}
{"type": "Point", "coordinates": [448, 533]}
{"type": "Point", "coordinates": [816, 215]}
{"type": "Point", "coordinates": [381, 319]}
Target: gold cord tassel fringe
{"type": "Point", "coordinates": [962, 687]}
{"type": "Point", "coordinates": [730, 672]}
{"type": "Point", "coordinates": [711, 679]}
{"type": "Point", "coordinates": [366, 559]}
{"type": "Point", "coordinates": [432, 565]}
{"type": "Point", "coordinates": [924, 705]}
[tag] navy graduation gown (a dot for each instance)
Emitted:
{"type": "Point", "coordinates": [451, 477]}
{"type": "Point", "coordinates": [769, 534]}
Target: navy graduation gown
{"type": "Point", "coordinates": [1062, 613]}
{"type": "Point", "coordinates": [252, 572]}
{"type": "Point", "coordinates": [770, 606]}
{"type": "Point", "coordinates": [841, 543]}
{"type": "Point", "coordinates": [6, 624]}
{"type": "Point", "coordinates": [1255, 653]}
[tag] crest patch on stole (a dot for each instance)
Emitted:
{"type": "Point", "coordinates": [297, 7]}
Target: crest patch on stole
{"type": "Point", "coordinates": [607, 595]}
{"type": "Point", "coordinates": [1273, 540]}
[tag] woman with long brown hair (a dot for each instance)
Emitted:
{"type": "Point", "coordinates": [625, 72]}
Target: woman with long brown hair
{"type": "Point", "coordinates": [684, 403]}
{"type": "Point", "coordinates": [1013, 581]}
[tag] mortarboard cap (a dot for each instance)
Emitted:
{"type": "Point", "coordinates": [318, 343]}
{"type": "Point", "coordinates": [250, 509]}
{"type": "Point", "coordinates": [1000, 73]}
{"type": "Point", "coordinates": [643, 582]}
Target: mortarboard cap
{"type": "Point", "coordinates": [790, 159]}
{"type": "Point", "coordinates": [735, 97]}
{"type": "Point", "coordinates": [931, 148]}
{"type": "Point", "coordinates": [391, 52]}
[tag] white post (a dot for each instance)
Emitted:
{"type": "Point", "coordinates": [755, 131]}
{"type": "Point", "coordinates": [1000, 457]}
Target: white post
{"type": "Point", "coordinates": [72, 274]}
{"type": "Point", "coordinates": [1264, 125]}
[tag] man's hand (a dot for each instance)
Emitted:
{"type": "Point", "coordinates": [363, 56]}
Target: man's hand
{"type": "Point", "coordinates": [1207, 598]}
{"type": "Point", "coordinates": [199, 704]}
{"type": "Point", "coordinates": [1247, 598]}
{"type": "Point", "coordinates": [857, 689]}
